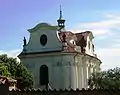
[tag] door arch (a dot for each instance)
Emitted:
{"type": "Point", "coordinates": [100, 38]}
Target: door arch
{"type": "Point", "coordinates": [44, 76]}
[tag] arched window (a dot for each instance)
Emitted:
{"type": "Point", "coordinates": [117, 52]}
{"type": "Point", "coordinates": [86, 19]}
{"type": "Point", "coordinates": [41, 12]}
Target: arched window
{"type": "Point", "coordinates": [44, 79]}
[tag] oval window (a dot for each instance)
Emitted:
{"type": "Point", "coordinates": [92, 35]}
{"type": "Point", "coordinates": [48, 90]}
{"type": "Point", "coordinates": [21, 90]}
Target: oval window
{"type": "Point", "coordinates": [43, 39]}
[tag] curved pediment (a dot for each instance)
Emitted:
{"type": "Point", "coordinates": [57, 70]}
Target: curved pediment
{"type": "Point", "coordinates": [43, 26]}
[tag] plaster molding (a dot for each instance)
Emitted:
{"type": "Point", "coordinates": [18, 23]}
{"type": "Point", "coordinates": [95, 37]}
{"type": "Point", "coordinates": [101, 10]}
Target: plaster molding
{"type": "Point", "coordinates": [43, 26]}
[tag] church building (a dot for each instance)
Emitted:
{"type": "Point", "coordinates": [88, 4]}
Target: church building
{"type": "Point", "coordinates": [59, 59]}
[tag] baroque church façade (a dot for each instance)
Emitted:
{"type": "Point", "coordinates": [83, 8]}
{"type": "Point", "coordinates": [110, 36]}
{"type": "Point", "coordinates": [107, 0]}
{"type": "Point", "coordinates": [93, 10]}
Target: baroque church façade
{"type": "Point", "coordinates": [59, 59]}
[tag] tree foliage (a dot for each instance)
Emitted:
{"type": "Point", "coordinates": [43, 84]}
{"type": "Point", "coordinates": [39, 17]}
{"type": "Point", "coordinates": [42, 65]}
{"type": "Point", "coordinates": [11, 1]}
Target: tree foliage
{"type": "Point", "coordinates": [4, 70]}
{"type": "Point", "coordinates": [25, 78]}
{"type": "Point", "coordinates": [12, 68]}
{"type": "Point", "coordinates": [109, 79]}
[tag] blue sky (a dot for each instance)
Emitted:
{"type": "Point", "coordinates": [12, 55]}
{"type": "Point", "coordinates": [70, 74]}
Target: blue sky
{"type": "Point", "coordinates": [102, 17]}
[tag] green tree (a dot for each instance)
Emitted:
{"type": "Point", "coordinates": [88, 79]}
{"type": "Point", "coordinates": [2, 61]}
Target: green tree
{"type": "Point", "coordinates": [24, 77]}
{"type": "Point", "coordinates": [12, 68]}
{"type": "Point", "coordinates": [109, 79]}
{"type": "Point", "coordinates": [4, 70]}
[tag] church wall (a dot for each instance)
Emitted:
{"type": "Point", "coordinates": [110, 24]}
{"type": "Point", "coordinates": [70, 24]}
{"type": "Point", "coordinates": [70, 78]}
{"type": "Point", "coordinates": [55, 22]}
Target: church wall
{"type": "Point", "coordinates": [62, 70]}
{"type": "Point", "coordinates": [73, 77]}
{"type": "Point", "coordinates": [84, 71]}
{"type": "Point", "coordinates": [79, 76]}
{"type": "Point", "coordinates": [86, 65]}
{"type": "Point", "coordinates": [81, 62]}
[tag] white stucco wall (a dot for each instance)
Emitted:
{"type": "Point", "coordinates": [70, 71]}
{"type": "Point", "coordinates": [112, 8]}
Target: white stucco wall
{"type": "Point", "coordinates": [66, 70]}
{"type": "Point", "coordinates": [53, 42]}
{"type": "Point", "coordinates": [86, 65]}
{"type": "Point", "coordinates": [61, 75]}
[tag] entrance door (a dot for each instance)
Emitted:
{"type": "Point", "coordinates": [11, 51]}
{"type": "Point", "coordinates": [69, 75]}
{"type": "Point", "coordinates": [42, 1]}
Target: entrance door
{"type": "Point", "coordinates": [44, 79]}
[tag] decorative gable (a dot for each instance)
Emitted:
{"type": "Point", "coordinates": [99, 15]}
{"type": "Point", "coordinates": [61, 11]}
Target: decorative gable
{"type": "Point", "coordinates": [43, 37]}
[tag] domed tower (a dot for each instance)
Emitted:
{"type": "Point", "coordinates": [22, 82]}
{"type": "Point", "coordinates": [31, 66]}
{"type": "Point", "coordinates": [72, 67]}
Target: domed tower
{"type": "Point", "coordinates": [61, 21]}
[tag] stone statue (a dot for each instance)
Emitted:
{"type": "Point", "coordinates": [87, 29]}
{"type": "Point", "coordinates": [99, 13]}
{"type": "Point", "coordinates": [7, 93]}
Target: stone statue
{"type": "Point", "coordinates": [24, 40]}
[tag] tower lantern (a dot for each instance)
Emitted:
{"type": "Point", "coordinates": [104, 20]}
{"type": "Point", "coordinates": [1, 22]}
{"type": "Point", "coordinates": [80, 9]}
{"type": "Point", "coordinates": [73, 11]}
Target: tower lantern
{"type": "Point", "coordinates": [61, 21]}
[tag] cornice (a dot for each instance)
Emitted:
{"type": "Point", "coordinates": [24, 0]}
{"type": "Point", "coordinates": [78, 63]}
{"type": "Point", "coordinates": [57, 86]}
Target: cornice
{"type": "Point", "coordinates": [43, 26]}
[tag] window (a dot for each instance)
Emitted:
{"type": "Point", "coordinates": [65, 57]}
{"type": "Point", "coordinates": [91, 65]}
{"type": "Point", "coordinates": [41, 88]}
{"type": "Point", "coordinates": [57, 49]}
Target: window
{"type": "Point", "coordinates": [43, 40]}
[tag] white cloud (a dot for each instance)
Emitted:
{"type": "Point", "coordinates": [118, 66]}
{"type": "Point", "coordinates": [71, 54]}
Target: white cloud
{"type": "Point", "coordinates": [110, 57]}
{"type": "Point", "coordinates": [102, 27]}
{"type": "Point", "coordinates": [96, 31]}
{"type": "Point", "coordinates": [107, 52]}
{"type": "Point", "coordinates": [117, 16]}
{"type": "Point", "coordinates": [117, 45]}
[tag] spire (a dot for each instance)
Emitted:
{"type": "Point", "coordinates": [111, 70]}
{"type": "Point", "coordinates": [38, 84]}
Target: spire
{"type": "Point", "coordinates": [60, 13]}
{"type": "Point", "coordinates": [61, 21]}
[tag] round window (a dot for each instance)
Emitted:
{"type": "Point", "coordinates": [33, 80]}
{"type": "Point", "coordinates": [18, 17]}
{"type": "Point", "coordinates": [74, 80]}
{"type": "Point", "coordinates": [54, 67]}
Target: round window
{"type": "Point", "coordinates": [43, 39]}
